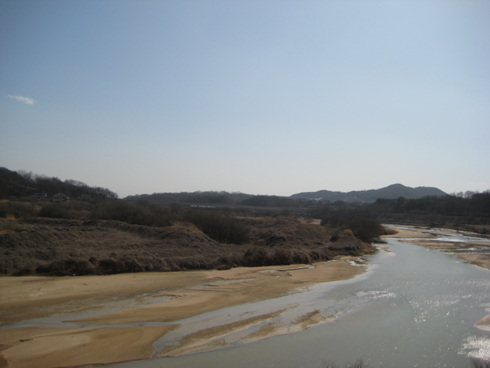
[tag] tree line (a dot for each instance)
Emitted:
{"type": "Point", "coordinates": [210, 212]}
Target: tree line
{"type": "Point", "coordinates": [26, 184]}
{"type": "Point", "coordinates": [456, 211]}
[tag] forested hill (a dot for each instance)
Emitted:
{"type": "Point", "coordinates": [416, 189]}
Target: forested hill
{"type": "Point", "coordinates": [296, 200]}
{"type": "Point", "coordinates": [203, 198]}
{"type": "Point", "coordinates": [20, 185]}
{"type": "Point", "coordinates": [17, 184]}
{"type": "Point", "coordinates": [370, 196]}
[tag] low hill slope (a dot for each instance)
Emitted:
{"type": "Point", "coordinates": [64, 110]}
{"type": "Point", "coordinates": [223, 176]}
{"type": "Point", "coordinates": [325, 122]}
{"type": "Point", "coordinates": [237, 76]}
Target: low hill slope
{"type": "Point", "coordinates": [16, 185]}
{"type": "Point", "coordinates": [75, 247]}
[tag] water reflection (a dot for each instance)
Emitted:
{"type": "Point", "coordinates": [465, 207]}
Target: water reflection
{"type": "Point", "coordinates": [417, 308]}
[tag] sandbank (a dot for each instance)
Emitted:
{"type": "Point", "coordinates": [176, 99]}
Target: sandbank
{"type": "Point", "coordinates": [407, 233]}
{"type": "Point", "coordinates": [484, 323]}
{"type": "Point", "coordinates": [159, 299]}
{"type": "Point", "coordinates": [459, 249]}
{"type": "Point", "coordinates": [464, 250]}
{"type": "Point", "coordinates": [60, 347]}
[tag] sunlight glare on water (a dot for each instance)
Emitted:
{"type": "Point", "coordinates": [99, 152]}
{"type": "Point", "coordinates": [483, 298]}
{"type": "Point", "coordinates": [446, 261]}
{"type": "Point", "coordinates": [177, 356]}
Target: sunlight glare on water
{"type": "Point", "coordinates": [415, 307]}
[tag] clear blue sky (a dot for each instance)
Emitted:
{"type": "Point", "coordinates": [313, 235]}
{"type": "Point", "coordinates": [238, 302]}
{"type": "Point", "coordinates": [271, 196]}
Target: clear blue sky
{"type": "Point", "coordinates": [262, 97]}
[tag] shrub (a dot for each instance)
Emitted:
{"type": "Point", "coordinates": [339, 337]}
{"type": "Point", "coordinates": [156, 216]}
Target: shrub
{"type": "Point", "coordinates": [17, 209]}
{"type": "Point", "coordinates": [24, 271]}
{"type": "Point", "coordinates": [54, 210]}
{"type": "Point", "coordinates": [109, 266]}
{"type": "Point", "coordinates": [222, 228]}
{"type": "Point", "coordinates": [282, 256]}
{"type": "Point", "coordinates": [302, 256]}
{"type": "Point", "coordinates": [365, 229]}
{"type": "Point", "coordinates": [67, 267]}
{"type": "Point", "coordinates": [141, 213]}
{"type": "Point", "coordinates": [132, 266]}
{"type": "Point", "coordinates": [256, 256]}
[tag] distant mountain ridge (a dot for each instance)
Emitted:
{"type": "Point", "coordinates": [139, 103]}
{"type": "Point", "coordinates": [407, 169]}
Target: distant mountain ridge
{"type": "Point", "coordinates": [369, 196]}
{"type": "Point", "coordinates": [14, 184]}
{"type": "Point", "coordinates": [295, 200]}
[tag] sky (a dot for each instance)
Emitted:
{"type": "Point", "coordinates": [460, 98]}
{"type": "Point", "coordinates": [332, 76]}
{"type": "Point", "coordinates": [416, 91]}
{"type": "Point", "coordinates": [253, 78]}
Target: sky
{"type": "Point", "coordinates": [259, 97]}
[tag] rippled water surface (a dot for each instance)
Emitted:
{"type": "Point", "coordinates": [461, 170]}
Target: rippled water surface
{"type": "Point", "coordinates": [416, 307]}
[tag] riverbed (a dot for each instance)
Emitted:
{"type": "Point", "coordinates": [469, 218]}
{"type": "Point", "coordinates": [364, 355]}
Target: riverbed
{"type": "Point", "coordinates": [82, 320]}
{"type": "Point", "coordinates": [415, 307]}
{"type": "Point", "coordinates": [407, 305]}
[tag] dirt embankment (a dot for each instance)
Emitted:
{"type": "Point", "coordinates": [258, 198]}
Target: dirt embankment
{"type": "Point", "coordinates": [73, 247]}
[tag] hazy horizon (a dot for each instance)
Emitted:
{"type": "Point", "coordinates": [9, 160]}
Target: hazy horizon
{"type": "Point", "coordinates": [254, 97]}
{"type": "Point", "coordinates": [36, 175]}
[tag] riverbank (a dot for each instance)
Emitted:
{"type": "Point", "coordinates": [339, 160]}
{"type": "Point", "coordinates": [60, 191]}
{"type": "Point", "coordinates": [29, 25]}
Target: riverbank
{"type": "Point", "coordinates": [67, 247]}
{"type": "Point", "coordinates": [471, 248]}
{"type": "Point", "coordinates": [467, 251]}
{"type": "Point", "coordinates": [117, 318]}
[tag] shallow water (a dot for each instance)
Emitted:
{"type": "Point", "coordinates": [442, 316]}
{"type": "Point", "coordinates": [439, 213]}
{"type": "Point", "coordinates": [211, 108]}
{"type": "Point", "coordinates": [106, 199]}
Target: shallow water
{"type": "Point", "coordinates": [415, 307]}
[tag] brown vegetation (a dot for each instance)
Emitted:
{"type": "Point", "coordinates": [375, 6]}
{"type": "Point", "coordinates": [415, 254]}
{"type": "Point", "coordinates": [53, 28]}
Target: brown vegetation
{"type": "Point", "coordinates": [182, 240]}
{"type": "Point", "coordinates": [54, 227]}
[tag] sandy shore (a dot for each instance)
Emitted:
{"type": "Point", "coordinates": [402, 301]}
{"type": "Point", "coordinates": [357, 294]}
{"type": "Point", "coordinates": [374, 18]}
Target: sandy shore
{"type": "Point", "coordinates": [484, 323]}
{"type": "Point", "coordinates": [413, 233]}
{"type": "Point", "coordinates": [464, 250]}
{"type": "Point", "coordinates": [92, 320]}
{"type": "Point", "coordinates": [458, 249]}
{"type": "Point", "coordinates": [133, 300]}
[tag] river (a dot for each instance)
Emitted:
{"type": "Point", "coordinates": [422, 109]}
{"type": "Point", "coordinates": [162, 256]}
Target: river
{"type": "Point", "coordinates": [415, 307]}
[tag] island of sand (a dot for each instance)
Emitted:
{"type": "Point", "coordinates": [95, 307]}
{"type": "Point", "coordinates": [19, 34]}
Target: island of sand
{"type": "Point", "coordinates": [134, 310]}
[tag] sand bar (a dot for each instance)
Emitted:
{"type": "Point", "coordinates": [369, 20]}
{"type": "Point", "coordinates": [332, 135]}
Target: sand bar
{"type": "Point", "coordinates": [133, 300]}
{"type": "Point", "coordinates": [484, 323]}
{"type": "Point", "coordinates": [404, 232]}
{"type": "Point", "coordinates": [60, 347]}
{"type": "Point", "coordinates": [464, 250]}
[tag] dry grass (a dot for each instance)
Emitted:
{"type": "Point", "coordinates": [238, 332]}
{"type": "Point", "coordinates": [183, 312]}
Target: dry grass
{"type": "Point", "coordinates": [53, 246]}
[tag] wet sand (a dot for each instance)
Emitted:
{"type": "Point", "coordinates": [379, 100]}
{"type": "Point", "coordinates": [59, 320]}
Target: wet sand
{"type": "Point", "coordinates": [484, 323]}
{"type": "Point", "coordinates": [125, 314]}
{"type": "Point", "coordinates": [117, 318]}
{"type": "Point", "coordinates": [411, 233]}
{"type": "Point", "coordinates": [60, 347]}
